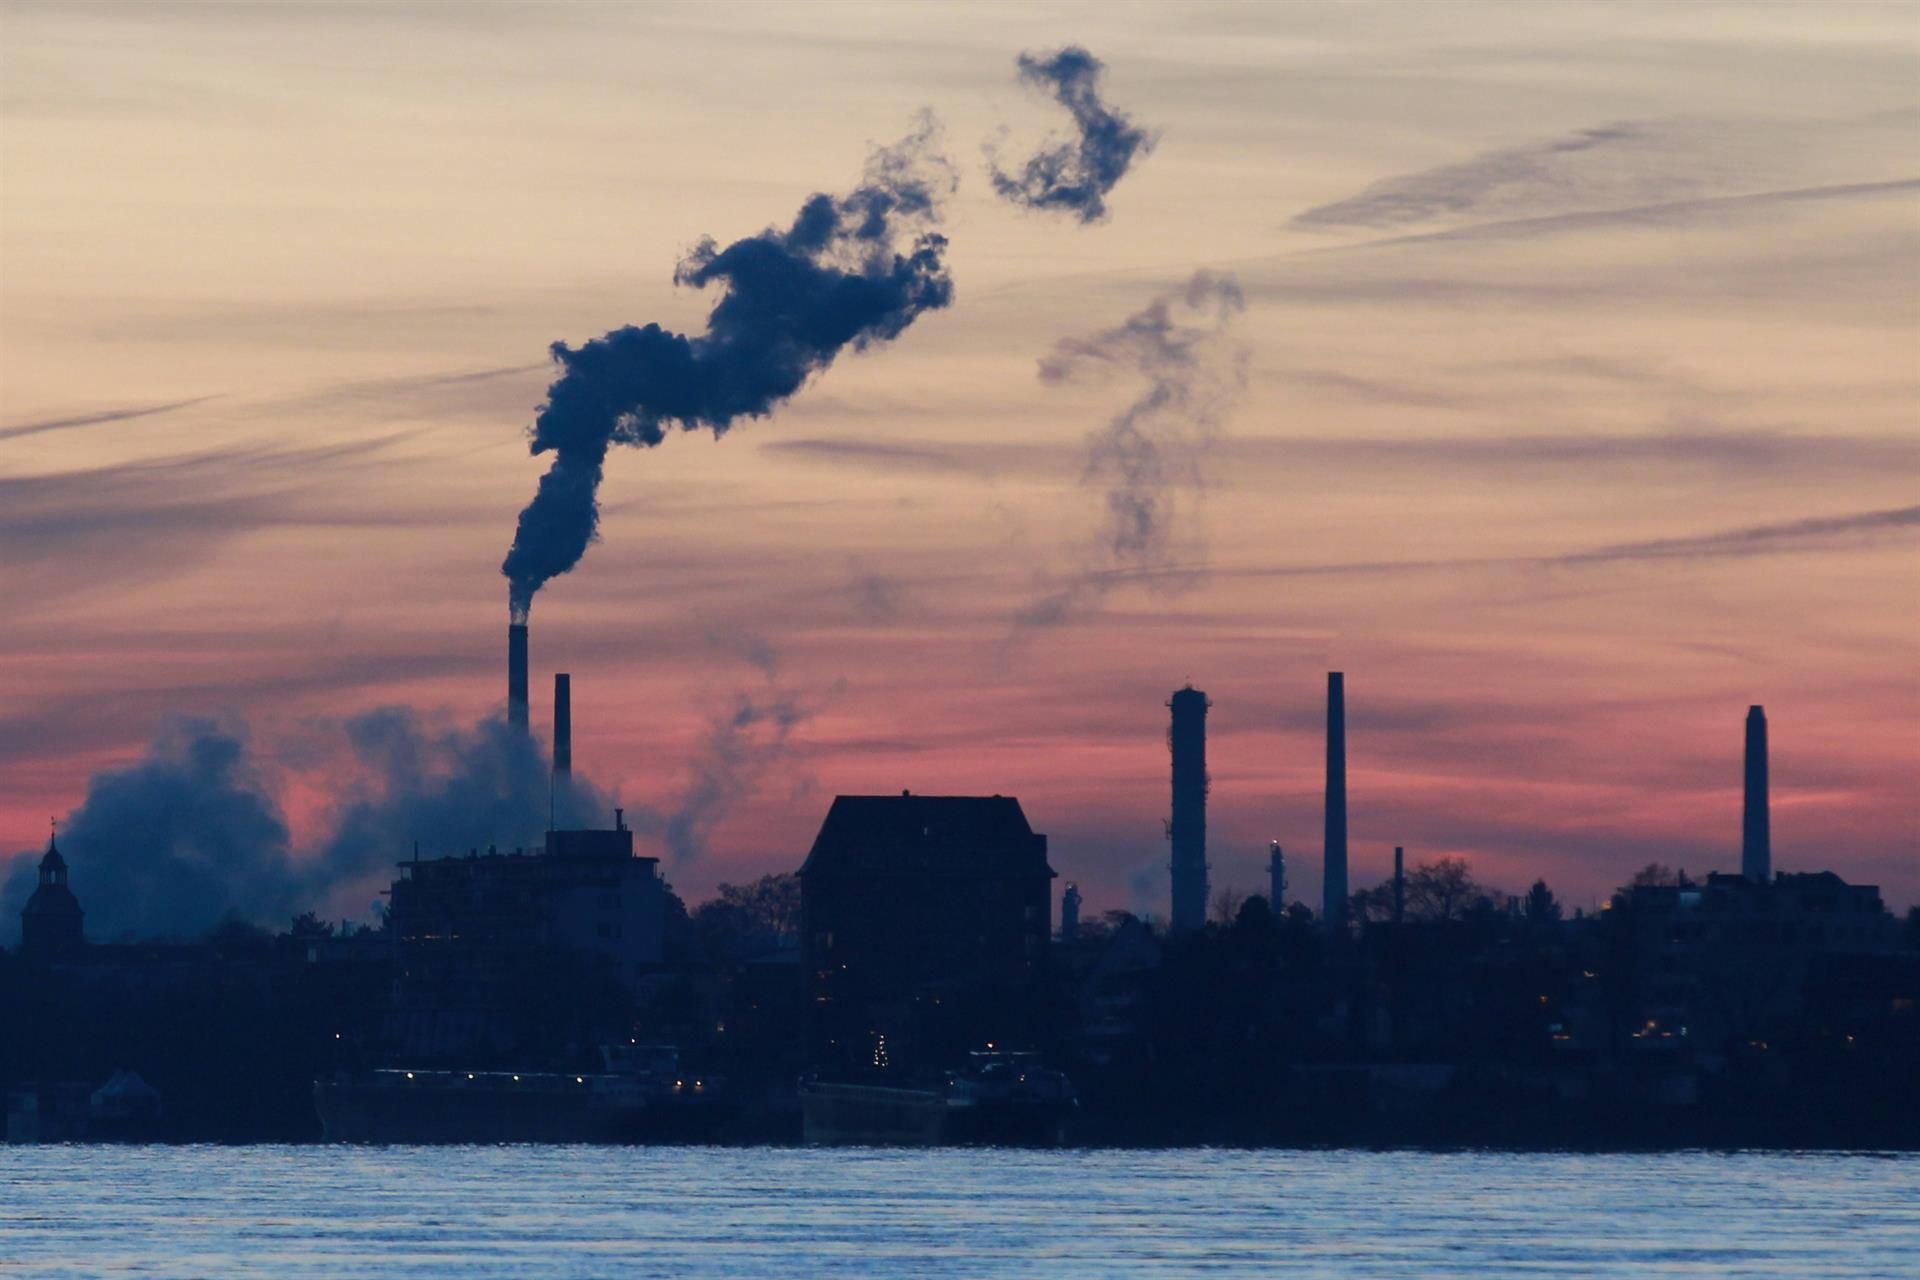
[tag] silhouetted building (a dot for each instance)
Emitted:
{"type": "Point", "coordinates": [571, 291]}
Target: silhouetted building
{"type": "Point", "coordinates": [50, 923]}
{"type": "Point", "coordinates": [1187, 739]}
{"type": "Point", "coordinates": [1070, 914]}
{"type": "Point", "coordinates": [1730, 957]}
{"type": "Point", "coordinates": [517, 675]}
{"type": "Point", "coordinates": [1756, 838]}
{"type": "Point", "coordinates": [1334, 887]}
{"type": "Point", "coordinates": [925, 923]}
{"type": "Point", "coordinates": [468, 929]}
{"type": "Point", "coordinates": [1276, 878]}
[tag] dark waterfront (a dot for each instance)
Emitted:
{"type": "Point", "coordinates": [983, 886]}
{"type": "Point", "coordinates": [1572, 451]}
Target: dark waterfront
{"type": "Point", "coordinates": [546, 1212]}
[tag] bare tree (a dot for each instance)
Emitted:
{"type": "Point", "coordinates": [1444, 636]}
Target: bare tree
{"type": "Point", "coordinates": [1653, 875]}
{"type": "Point", "coordinates": [1441, 890]}
{"type": "Point", "coordinates": [771, 903]}
{"type": "Point", "coordinates": [746, 917]}
{"type": "Point", "coordinates": [1226, 905]}
{"type": "Point", "coordinates": [1373, 905]}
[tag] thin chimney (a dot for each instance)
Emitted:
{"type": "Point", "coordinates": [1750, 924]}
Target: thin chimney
{"type": "Point", "coordinates": [562, 725]}
{"type": "Point", "coordinates": [1756, 825]}
{"type": "Point", "coordinates": [1334, 879]}
{"type": "Point", "coordinates": [517, 676]}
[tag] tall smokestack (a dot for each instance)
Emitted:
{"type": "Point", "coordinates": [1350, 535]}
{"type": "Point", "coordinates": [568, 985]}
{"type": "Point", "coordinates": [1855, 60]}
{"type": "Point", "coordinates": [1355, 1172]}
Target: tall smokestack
{"type": "Point", "coordinates": [562, 726]}
{"type": "Point", "coordinates": [1276, 877]}
{"type": "Point", "coordinates": [517, 676]}
{"type": "Point", "coordinates": [1334, 880]}
{"type": "Point", "coordinates": [1756, 824]}
{"type": "Point", "coordinates": [1188, 740]}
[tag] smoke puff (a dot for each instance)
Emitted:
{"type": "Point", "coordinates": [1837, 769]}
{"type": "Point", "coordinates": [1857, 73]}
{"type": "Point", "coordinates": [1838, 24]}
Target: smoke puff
{"type": "Point", "coordinates": [1148, 454]}
{"type": "Point", "coordinates": [1075, 175]}
{"type": "Point", "coordinates": [176, 842]}
{"type": "Point", "coordinates": [838, 277]}
{"type": "Point", "coordinates": [192, 833]}
{"type": "Point", "coordinates": [449, 788]}
{"type": "Point", "coordinates": [741, 745]}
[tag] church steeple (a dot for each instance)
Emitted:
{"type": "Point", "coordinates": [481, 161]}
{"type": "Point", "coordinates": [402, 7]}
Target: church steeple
{"type": "Point", "coordinates": [53, 867]}
{"type": "Point", "coordinates": [50, 925]}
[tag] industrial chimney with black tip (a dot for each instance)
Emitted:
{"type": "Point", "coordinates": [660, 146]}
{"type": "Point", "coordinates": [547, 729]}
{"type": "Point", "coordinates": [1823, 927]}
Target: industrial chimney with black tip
{"type": "Point", "coordinates": [517, 676]}
{"type": "Point", "coordinates": [1187, 737]}
{"type": "Point", "coordinates": [1334, 893]}
{"type": "Point", "coordinates": [1756, 822]}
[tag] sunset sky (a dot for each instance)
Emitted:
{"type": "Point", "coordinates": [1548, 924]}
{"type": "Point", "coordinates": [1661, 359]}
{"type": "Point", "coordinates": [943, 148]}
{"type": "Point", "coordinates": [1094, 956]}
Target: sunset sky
{"type": "Point", "coordinates": [1581, 347]}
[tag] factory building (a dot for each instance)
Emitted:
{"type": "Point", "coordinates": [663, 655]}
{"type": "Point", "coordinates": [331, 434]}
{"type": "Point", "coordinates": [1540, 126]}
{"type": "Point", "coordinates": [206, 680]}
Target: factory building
{"type": "Point", "coordinates": [1734, 953]}
{"type": "Point", "coordinates": [585, 890]}
{"type": "Point", "coordinates": [925, 922]}
{"type": "Point", "coordinates": [468, 930]}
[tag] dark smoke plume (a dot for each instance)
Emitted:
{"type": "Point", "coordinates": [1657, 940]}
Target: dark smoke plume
{"type": "Point", "coordinates": [1148, 456]}
{"type": "Point", "coordinates": [193, 834]}
{"type": "Point", "coordinates": [421, 777]}
{"type": "Point", "coordinates": [1074, 175]}
{"type": "Point", "coordinates": [840, 276]}
{"type": "Point", "coordinates": [173, 844]}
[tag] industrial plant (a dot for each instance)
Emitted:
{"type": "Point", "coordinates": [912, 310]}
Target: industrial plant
{"type": "Point", "coordinates": [904, 982]}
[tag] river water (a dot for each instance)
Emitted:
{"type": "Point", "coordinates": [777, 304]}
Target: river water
{"type": "Point", "coordinates": [536, 1212]}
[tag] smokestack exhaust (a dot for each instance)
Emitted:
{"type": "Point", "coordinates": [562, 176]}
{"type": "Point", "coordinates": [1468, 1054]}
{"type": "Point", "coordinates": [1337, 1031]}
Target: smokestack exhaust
{"type": "Point", "coordinates": [1334, 893]}
{"type": "Point", "coordinates": [517, 676]}
{"type": "Point", "coordinates": [1756, 823]}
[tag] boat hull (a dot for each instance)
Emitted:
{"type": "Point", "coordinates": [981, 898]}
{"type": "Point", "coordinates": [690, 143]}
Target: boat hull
{"type": "Point", "coordinates": [368, 1112]}
{"type": "Point", "coordinates": [872, 1115]}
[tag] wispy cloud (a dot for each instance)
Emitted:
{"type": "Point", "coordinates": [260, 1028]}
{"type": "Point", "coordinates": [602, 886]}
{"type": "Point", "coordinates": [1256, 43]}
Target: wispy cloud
{"type": "Point", "coordinates": [1816, 533]}
{"type": "Point", "coordinates": [1634, 215]}
{"type": "Point", "coordinates": [887, 455]}
{"type": "Point", "coordinates": [1694, 447]}
{"type": "Point", "coordinates": [1505, 178]}
{"type": "Point", "coordinates": [69, 531]}
{"type": "Point", "coordinates": [1617, 166]}
{"type": "Point", "coordinates": [1859, 531]}
{"type": "Point", "coordinates": [96, 419]}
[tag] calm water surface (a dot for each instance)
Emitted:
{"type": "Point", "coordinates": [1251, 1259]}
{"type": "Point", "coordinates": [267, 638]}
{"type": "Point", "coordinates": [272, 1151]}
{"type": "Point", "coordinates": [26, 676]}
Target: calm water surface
{"type": "Point", "coordinates": [633, 1212]}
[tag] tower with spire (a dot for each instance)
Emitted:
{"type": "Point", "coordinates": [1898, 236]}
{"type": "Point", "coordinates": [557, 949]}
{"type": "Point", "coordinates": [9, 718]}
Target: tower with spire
{"type": "Point", "coordinates": [50, 924]}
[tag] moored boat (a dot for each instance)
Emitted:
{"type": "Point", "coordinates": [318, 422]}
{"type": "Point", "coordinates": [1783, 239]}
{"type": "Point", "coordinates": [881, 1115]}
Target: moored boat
{"type": "Point", "coordinates": [997, 1099]}
{"type": "Point", "coordinates": [641, 1096]}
